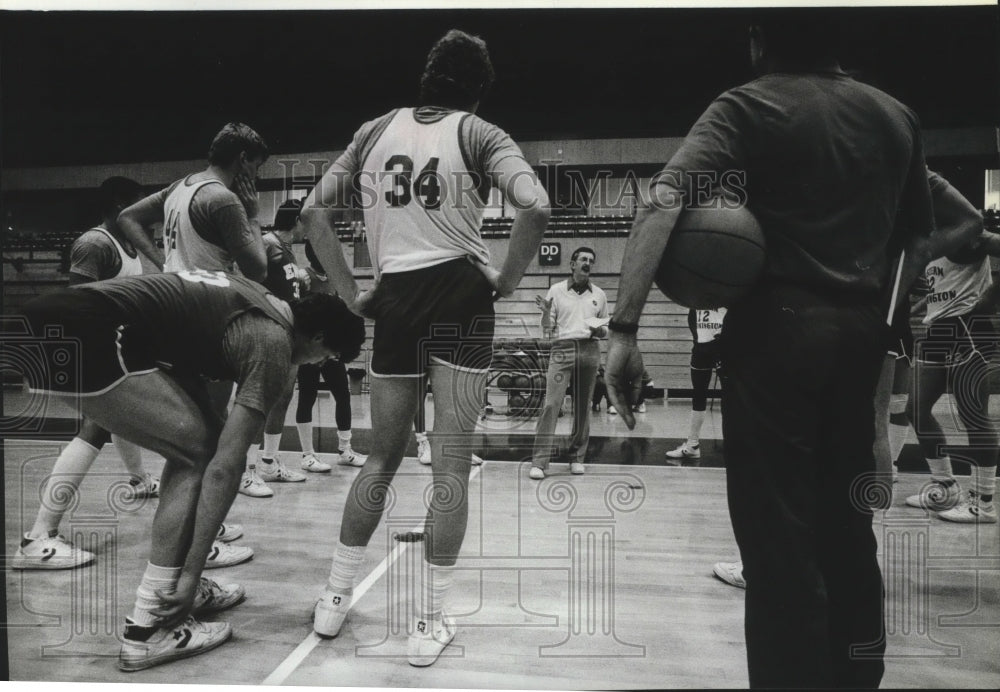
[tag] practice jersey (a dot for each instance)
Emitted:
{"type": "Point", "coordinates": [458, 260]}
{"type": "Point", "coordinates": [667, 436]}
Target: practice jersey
{"type": "Point", "coordinates": [955, 288]}
{"type": "Point", "coordinates": [423, 180]}
{"type": "Point", "coordinates": [706, 325]}
{"type": "Point", "coordinates": [98, 255]}
{"type": "Point", "coordinates": [183, 246]}
{"type": "Point", "coordinates": [281, 279]}
{"type": "Point", "coordinates": [186, 314]}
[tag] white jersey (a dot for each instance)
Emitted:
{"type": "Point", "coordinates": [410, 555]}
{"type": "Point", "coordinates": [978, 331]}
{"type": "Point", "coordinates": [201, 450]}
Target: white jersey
{"type": "Point", "coordinates": [708, 324]}
{"type": "Point", "coordinates": [130, 266]}
{"type": "Point", "coordinates": [955, 288]}
{"type": "Point", "coordinates": [185, 249]}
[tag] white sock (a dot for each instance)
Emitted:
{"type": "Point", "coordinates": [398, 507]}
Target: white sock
{"type": "Point", "coordinates": [72, 465]}
{"type": "Point", "coordinates": [271, 444]}
{"type": "Point", "coordinates": [437, 583]}
{"type": "Point", "coordinates": [421, 437]}
{"type": "Point", "coordinates": [131, 455]}
{"type": "Point", "coordinates": [984, 480]}
{"type": "Point", "coordinates": [941, 470]}
{"type": "Point", "coordinates": [252, 455]}
{"type": "Point", "coordinates": [346, 563]}
{"type": "Point", "coordinates": [306, 437]}
{"type": "Point", "coordinates": [344, 437]}
{"type": "Point", "coordinates": [697, 418]}
{"type": "Point", "coordinates": [146, 600]}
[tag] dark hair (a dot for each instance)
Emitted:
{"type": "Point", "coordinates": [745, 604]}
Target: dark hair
{"type": "Point", "coordinates": [343, 331]}
{"type": "Point", "coordinates": [287, 214]}
{"type": "Point", "coordinates": [231, 140]}
{"type": "Point", "coordinates": [802, 36]}
{"type": "Point", "coordinates": [584, 248]}
{"type": "Point", "coordinates": [458, 71]}
{"type": "Point", "coordinates": [117, 192]}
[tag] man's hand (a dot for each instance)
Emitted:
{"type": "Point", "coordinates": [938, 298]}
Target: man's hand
{"type": "Point", "coordinates": [247, 192]}
{"type": "Point", "coordinates": [303, 277]}
{"type": "Point", "coordinates": [177, 606]}
{"type": "Point", "coordinates": [493, 276]}
{"type": "Point", "coordinates": [544, 305]}
{"type": "Point", "coordinates": [363, 303]}
{"type": "Point", "coordinates": [623, 374]}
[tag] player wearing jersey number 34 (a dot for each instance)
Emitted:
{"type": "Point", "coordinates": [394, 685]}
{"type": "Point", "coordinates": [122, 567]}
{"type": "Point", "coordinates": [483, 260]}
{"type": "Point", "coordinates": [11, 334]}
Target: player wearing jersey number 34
{"type": "Point", "coordinates": [149, 344]}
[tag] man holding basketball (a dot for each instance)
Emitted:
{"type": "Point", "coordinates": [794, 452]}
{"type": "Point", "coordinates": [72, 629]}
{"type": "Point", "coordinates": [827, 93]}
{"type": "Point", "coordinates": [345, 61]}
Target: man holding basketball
{"type": "Point", "coordinates": [830, 166]}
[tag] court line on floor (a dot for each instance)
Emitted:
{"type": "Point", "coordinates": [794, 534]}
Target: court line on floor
{"type": "Point", "coordinates": [295, 659]}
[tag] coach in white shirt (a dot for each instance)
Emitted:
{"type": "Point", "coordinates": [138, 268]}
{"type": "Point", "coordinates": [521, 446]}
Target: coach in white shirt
{"type": "Point", "coordinates": [574, 315]}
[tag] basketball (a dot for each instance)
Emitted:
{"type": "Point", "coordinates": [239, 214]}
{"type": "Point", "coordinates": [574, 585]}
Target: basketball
{"type": "Point", "coordinates": [714, 255]}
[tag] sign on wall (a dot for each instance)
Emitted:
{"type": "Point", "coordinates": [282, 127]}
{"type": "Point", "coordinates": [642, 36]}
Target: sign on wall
{"type": "Point", "coordinates": [549, 254]}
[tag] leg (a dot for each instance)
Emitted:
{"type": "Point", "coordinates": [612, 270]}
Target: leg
{"type": "Point", "coordinates": [883, 396]}
{"type": "Point", "coordinates": [584, 374]}
{"type": "Point", "coordinates": [556, 381]}
{"type": "Point", "coordinates": [930, 380]}
{"type": "Point", "coordinates": [272, 468]}
{"type": "Point", "coordinates": [335, 376]}
{"type": "Point", "coordinates": [308, 390]}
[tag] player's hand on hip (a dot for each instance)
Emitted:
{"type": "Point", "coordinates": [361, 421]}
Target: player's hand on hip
{"type": "Point", "coordinates": [247, 192]}
{"type": "Point", "coordinates": [176, 606]}
{"type": "Point", "coordinates": [363, 303]}
{"type": "Point", "coordinates": [623, 374]}
{"type": "Point", "coordinates": [493, 277]}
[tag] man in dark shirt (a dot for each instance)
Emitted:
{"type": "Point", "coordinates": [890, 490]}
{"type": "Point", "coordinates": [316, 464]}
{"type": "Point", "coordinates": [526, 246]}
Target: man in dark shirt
{"type": "Point", "coordinates": [147, 344]}
{"type": "Point", "coordinates": [830, 166]}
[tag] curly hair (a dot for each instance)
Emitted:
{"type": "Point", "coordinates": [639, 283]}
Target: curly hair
{"type": "Point", "coordinates": [118, 192]}
{"type": "Point", "coordinates": [343, 331]}
{"type": "Point", "coordinates": [234, 138]}
{"type": "Point", "coordinates": [458, 71]}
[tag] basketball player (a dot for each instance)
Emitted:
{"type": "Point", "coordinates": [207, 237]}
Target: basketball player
{"type": "Point", "coordinates": [961, 347]}
{"type": "Point", "coordinates": [802, 350]}
{"type": "Point", "coordinates": [149, 343]}
{"type": "Point", "coordinates": [98, 254]}
{"type": "Point", "coordinates": [706, 358]}
{"type": "Point", "coordinates": [567, 309]}
{"type": "Point", "coordinates": [424, 175]}
{"type": "Point", "coordinates": [210, 223]}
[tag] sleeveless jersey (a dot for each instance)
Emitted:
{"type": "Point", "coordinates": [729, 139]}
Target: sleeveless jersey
{"type": "Point", "coordinates": [706, 325]}
{"type": "Point", "coordinates": [183, 246]}
{"type": "Point", "coordinates": [130, 266]}
{"type": "Point", "coordinates": [418, 195]}
{"type": "Point", "coordinates": [185, 315]}
{"type": "Point", "coordinates": [954, 288]}
{"type": "Point", "coordinates": [281, 279]}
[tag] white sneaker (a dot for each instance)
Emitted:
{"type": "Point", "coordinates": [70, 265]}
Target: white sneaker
{"type": "Point", "coordinates": [971, 510]}
{"type": "Point", "coordinates": [612, 411]}
{"type": "Point", "coordinates": [229, 532]}
{"type": "Point", "coordinates": [429, 639]}
{"type": "Point", "coordinates": [51, 552]}
{"type": "Point", "coordinates": [477, 460]}
{"type": "Point", "coordinates": [211, 597]}
{"type": "Point", "coordinates": [279, 473]}
{"type": "Point", "coordinates": [641, 408]}
{"type": "Point", "coordinates": [145, 487]}
{"type": "Point", "coordinates": [685, 451]}
{"type": "Point", "coordinates": [348, 457]}
{"type": "Point", "coordinates": [731, 573]}
{"type": "Point", "coordinates": [424, 451]}
{"type": "Point", "coordinates": [253, 486]}
{"type": "Point", "coordinates": [227, 555]}
{"type": "Point", "coordinates": [576, 468]}
{"type": "Point", "coordinates": [330, 612]}
{"type": "Point", "coordinates": [536, 473]}
{"type": "Point", "coordinates": [936, 496]}
{"type": "Point", "coordinates": [312, 464]}
{"type": "Point", "coordinates": [145, 647]}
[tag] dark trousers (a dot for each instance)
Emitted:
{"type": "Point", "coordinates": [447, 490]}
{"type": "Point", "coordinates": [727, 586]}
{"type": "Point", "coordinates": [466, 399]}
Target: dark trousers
{"type": "Point", "coordinates": [335, 376]}
{"type": "Point", "coordinates": [798, 422]}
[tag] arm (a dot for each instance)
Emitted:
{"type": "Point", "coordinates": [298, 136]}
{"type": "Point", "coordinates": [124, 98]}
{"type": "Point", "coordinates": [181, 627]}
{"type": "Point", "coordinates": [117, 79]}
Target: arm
{"type": "Point", "coordinates": [519, 185]}
{"type": "Point", "coordinates": [134, 220]}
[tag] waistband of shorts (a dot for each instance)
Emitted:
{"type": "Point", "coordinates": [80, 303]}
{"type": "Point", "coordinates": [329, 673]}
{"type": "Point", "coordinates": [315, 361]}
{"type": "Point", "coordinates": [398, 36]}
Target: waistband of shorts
{"type": "Point", "coordinates": [455, 263]}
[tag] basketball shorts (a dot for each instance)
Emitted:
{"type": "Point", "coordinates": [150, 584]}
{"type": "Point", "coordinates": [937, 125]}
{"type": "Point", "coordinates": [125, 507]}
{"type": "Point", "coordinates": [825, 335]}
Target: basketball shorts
{"type": "Point", "coordinates": [79, 345]}
{"type": "Point", "coordinates": [954, 340]}
{"type": "Point", "coordinates": [707, 356]}
{"type": "Point", "coordinates": [439, 315]}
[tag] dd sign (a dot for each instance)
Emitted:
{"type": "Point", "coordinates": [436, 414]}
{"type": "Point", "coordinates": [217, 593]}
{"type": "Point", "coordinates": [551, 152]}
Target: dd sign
{"type": "Point", "coordinates": [549, 254]}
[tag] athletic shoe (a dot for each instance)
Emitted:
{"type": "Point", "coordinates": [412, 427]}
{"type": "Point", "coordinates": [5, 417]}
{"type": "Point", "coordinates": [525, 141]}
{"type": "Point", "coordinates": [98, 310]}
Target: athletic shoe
{"type": "Point", "coordinates": [424, 451]}
{"type": "Point", "coordinates": [685, 451]}
{"type": "Point", "coordinates": [279, 473]}
{"type": "Point", "coordinates": [595, 408]}
{"type": "Point", "coordinates": [253, 486]}
{"type": "Point", "coordinates": [229, 532]}
{"type": "Point", "coordinates": [312, 464]}
{"type": "Point", "coordinates": [971, 510]}
{"type": "Point", "coordinates": [348, 457]}
{"type": "Point", "coordinates": [212, 597]}
{"type": "Point", "coordinates": [576, 468]}
{"type": "Point", "coordinates": [330, 612]}
{"type": "Point", "coordinates": [731, 573]}
{"type": "Point", "coordinates": [145, 647]}
{"type": "Point", "coordinates": [227, 555]}
{"type": "Point", "coordinates": [429, 639]}
{"type": "Point", "coordinates": [51, 552]}
{"type": "Point", "coordinates": [641, 408]}
{"type": "Point", "coordinates": [936, 496]}
{"type": "Point", "coordinates": [477, 460]}
{"type": "Point", "coordinates": [145, 487]}
{"type": "Point", "coordinates": [536, 473]}
{"type": "Point", "coordinates": [612, 411]}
